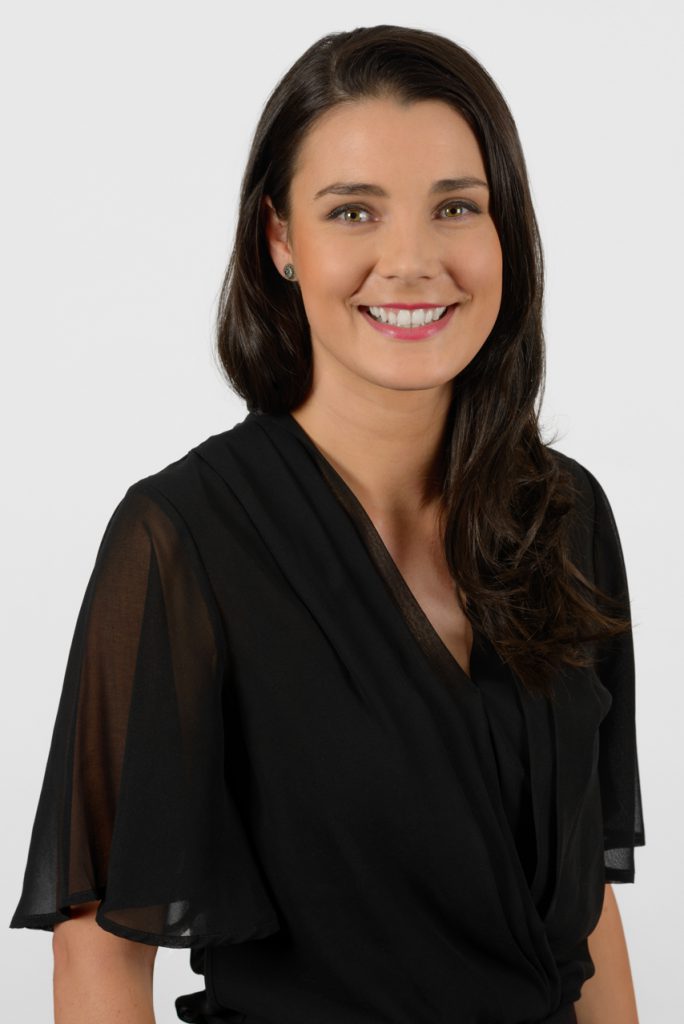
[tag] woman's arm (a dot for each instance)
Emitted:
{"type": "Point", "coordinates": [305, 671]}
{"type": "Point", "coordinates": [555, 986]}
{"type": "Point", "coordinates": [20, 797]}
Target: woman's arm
{"type": "Point", "coordinates": [100, 978]}
{"type": "Point", "coordinates": [608, 996]}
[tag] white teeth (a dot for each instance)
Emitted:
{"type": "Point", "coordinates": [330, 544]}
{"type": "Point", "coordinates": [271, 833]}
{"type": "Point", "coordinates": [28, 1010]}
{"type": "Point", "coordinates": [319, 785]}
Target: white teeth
{"type": "Point", "coordinates": [406, 317]}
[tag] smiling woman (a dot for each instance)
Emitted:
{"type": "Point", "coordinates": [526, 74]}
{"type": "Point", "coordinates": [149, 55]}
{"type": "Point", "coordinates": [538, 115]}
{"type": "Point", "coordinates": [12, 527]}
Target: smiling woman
{"type": "Point", "coordinates": [350, 710]}
{"type": "Point", "coordinates": [419, 240]}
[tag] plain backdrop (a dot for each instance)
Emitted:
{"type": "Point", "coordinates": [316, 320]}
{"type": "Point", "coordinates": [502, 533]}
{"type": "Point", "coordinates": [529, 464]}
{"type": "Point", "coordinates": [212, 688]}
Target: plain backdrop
{"type": "Point", "coordinates": [125, 128]}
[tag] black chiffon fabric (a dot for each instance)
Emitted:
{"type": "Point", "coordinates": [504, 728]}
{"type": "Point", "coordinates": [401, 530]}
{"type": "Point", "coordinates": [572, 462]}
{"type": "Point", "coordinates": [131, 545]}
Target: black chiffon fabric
{"type": "Point", "coordinates": [263, 752]}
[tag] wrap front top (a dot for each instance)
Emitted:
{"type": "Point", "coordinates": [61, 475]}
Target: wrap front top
{"type": "Point", "coordinates": [264, 753]}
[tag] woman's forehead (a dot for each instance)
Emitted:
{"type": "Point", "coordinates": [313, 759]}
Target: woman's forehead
{"type": "Point", "coordinates": [362, 140]}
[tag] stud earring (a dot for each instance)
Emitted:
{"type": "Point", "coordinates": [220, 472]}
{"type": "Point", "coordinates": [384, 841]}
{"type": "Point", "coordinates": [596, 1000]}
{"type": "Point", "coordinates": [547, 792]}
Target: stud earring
{"type": "Point", "coordinates": [289, 271]}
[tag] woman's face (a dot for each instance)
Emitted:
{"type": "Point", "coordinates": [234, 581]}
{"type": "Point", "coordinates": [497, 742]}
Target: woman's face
{"type": "Point", "coordinates": [375, 223]}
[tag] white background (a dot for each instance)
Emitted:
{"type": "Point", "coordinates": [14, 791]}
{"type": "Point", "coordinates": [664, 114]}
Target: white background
{"type": "Point", "coordinates": [125, 128]}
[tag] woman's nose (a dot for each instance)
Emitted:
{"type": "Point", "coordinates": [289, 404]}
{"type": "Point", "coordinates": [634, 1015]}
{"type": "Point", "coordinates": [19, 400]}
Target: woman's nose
{"type": "Point", "coordinates": [408, 248]}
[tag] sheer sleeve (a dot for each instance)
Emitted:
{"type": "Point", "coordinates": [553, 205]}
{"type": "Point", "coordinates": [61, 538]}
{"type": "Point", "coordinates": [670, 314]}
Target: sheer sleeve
{"type": "Point", "coordinates": [135, 808]}
{"type": "Point", "coordinates": [623, 822]}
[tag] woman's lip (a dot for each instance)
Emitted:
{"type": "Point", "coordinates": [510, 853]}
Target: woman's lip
{"type": "Point", "coordinates": [410, 333]}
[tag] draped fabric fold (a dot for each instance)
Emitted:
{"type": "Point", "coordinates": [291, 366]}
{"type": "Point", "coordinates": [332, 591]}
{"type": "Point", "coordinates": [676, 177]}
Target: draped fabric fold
{"type": "Point", "coordinates": [349, 828]}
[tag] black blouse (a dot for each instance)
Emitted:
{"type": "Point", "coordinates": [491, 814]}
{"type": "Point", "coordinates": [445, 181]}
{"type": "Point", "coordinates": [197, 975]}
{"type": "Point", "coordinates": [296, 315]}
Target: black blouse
{"type": "Point", "coordinates": [265, 753]}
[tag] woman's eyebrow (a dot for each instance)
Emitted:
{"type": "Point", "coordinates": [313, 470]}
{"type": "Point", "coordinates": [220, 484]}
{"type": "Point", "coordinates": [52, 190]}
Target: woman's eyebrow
{"type": "Point", "coordinates": [345, 188]}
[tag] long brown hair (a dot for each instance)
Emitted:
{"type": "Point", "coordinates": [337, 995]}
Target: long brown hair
{"type": "Point", "coordinates": [505, 495]}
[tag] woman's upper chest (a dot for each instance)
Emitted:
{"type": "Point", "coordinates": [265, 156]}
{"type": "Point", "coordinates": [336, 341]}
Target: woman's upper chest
{"type": "Point", "coordinates": [419, 556]}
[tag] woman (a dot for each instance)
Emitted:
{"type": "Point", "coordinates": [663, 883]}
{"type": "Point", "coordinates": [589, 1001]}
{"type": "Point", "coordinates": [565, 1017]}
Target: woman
{"type": "Point", "coordinates": [349, 709]}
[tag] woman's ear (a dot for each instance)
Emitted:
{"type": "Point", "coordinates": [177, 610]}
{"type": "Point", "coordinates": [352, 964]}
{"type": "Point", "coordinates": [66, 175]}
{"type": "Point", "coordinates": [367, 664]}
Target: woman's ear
{"type": "Point", "coordinates": [276, 235]}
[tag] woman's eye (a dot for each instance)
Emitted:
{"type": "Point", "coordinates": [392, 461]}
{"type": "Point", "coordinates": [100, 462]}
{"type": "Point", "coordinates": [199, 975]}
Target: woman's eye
{"type": "Point", "coordinates": [459, 204]}
{"type": "Point", "coordinates": [352, 214]}
{"type": "Point", "coordinates": [335, 215]}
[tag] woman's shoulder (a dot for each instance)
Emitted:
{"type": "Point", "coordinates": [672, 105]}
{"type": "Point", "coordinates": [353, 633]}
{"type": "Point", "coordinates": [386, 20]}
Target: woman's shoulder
{"type": "Point", "coordinates": [593, 521]}
{"type": "Point", "coordinates": [579, 472]}
{"type": "Point", "coordinates": [189, 479]}
{"type": "Point", "coordinates": [589, 486]}
{"type": "Point", "coordinates": [589, 491]}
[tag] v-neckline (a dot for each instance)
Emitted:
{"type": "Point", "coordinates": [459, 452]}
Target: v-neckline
{"type": "Point", "coordinates": [410, 608]}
